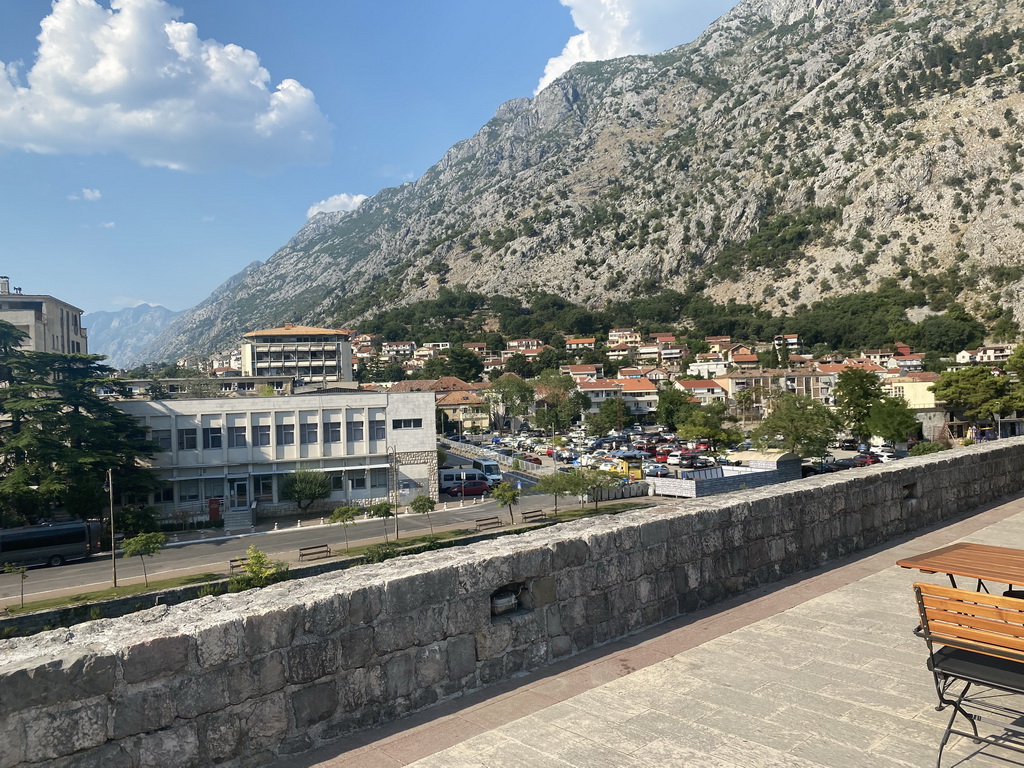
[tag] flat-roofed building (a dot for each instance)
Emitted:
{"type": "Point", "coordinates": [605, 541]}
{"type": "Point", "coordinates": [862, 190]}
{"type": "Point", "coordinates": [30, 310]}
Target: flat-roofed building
{"type": "Point", "coordinates": [52, 325]}
{"type": "Point", "coordinates": [373, 446]}
{"type": "Point", "coordinates": [306, 354]}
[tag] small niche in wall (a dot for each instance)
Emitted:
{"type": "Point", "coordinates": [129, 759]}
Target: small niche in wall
{"type": "Point", "coordinates": [910, 492]}
{"type": "Point", "coordinates": [509, 599]}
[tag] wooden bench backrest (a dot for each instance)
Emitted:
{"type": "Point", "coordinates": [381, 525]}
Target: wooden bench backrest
{"type": "Point", "coordinates": [975, 621]}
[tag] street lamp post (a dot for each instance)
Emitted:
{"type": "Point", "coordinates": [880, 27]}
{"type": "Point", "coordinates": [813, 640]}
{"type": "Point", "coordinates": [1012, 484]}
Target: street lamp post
{"type": "Point", "coordinates": [113, 541]}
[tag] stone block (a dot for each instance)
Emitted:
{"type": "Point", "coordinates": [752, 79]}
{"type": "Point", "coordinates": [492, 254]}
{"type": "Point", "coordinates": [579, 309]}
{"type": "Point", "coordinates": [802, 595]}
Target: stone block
{"type": "Point", "coordinates": [431, 664]}
{"type": "Point", "coordinates": [221, 643]}
{"type": "Point", "coordinates": [267, 673]}
{"type": "Point", "coordinates": [174, 746]}
{"type": "Point", "coordinates": [140, 709]}
{"type": "Point", "coordinates": [154, 658]}
{"type": "Point", "coordinates": [65, 729]}
{"type": "Point", "coordinates": [430, 624]}
{"type": "Point", "coordinates": [219, 736]}
{"type": "Point", "coordinates": [364, 604]}
{"type": "Point", "coordinates": [263, 722]}
{"type": "Point", "coordinates": [468, 614]}
{"type": "Point", "coordinates": [399, 675]}
{"type": "Point", "coordinates": [268, 631]}
{"type": "Point", "coordinates": [363, 686]}
{"type": "Point", "coordinates": [560, 646]}
{"type": "Point", "coordinates": [529, 564]}
{"type": "Point", "coordinates": [71, 676]}
{"type": "Point", "coordinates": [540, 592]}
{"type": "Point", "coordinates": [355, 648]}
{"type": "Point", "coordinates": [310, 661]}
{"type": "Point", "coordinates": [596, 608]}
{"type": "Point", "coordinates": [313, 704]}
{"type": "Point", "coordinates": [494, 641]}
{"type": "Point", "coordinates": [553, 620]}
{"type": "Point", "coordinates": [654, 532]}
{"type": "Point", "coordinates": [327, 615]}
{"type": "Point", "coordinates": [392, 635]}
{"type": "Point", "coordinates": [570, 553]}
{"type": "Point", "coordinates": [412, 591]}
{"type": "Point", "coordinates": [461, 656]}
{"type": "Point", "coordinates": [484, 574]}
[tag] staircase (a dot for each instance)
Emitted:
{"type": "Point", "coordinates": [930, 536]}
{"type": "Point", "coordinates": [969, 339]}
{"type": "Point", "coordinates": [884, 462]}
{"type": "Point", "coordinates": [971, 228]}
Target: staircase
{"type": "Point", "coordinates": [238, 520]}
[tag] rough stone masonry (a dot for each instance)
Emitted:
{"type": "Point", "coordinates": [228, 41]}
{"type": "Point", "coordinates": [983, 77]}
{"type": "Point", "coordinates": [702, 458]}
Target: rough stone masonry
{"type": "Point", "coordinates": [240, 679]}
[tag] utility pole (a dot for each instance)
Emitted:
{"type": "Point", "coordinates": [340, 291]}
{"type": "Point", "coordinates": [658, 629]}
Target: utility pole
{"type": "Point", "coordinates": [113, 540]}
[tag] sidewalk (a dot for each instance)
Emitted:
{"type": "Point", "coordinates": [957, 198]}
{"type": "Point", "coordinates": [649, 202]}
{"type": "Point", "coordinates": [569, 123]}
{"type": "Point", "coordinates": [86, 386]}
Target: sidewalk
{"type": "Point", "coordinates": [817, 670]}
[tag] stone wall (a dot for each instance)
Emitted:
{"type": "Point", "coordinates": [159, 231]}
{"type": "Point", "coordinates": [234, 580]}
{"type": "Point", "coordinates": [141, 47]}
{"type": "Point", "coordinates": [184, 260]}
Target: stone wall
{"type": "Point", "coordinates": [239, 679]}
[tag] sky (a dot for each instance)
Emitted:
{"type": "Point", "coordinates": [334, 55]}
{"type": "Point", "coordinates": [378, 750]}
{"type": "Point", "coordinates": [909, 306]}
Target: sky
{"type": "Point", "coordinates": [150, 150]}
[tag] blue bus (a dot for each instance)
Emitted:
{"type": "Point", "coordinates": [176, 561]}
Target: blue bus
{"type": "Point", "coordinates": [53, 544]}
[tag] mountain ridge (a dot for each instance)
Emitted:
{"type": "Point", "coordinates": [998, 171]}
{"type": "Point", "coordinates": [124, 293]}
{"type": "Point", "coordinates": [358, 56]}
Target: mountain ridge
{"type": "Point", "coordinates": [797, 149]}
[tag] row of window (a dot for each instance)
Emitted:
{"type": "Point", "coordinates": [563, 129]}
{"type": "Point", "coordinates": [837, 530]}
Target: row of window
{"type": "Point", "coordinates": [263, 486]}
{"type": "Point", "coordinates": [309, 434]}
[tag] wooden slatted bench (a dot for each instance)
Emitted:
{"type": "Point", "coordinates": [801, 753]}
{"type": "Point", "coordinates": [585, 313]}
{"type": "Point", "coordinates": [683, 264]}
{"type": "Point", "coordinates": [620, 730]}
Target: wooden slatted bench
{"type": "Point", "coordinates": [535, 516]}
{"type": "Point", "coordinates": [975, 640]}
{"type": "Point", "coordinates": [488, 523]}
{"type": "Point", "coordinates": [237, 564]}
{"type": "Point", "coordinates": [315, 553]}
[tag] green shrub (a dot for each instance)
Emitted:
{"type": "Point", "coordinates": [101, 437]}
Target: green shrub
{"type": "Point", "coordinates": [923, 449]}
{"type": "Point", "coordinates": [378, 553]}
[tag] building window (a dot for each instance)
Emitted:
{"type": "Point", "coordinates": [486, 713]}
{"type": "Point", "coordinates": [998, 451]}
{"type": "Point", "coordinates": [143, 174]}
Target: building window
{"type": "Point", "coordinates": [212, 437]}
{"type": "Point", "coordinates": [407, 423]}
{"type": "Point", "coordinates": [188, 490]}
{"type": "Point", "coordinates": [165, 495]}
{"type": "Point", "coordinates": [332, 431]}
{"type": "Point", "coordinates": [379, 478]}
{"type": "Point", "coordinates": [186, 439]}
{"type": "Point", "coordinates": [236, 437]}
{"type": "Point", "coordinates": [357, 482]}
{"type": "Point", "coordinates": [261, 434]}
{"type": "Point", "coordinates": [286, 434]}
{"type": "Point", "coordinates": [354, 431]}
{"type": "Point", "coordinates": [263, 487]}
{"type": "Point", "coordinates": [337, 482]}
{"type": "Point", "coordinates": [307, 434]}
{"type": "Point", "coordinates": [161, 437]}
{"type": "Point", "coordinates": [213, 488]}
{"type": "Point", "coordinates": [378, 430]}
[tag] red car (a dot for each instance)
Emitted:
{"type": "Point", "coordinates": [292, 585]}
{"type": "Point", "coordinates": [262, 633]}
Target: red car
{"type": "Point", "coordinates": [469, 488]}
{"type": "Point", "coordinates": [866, 460]}
{"type": "Point", "coordinates": [532, 459]}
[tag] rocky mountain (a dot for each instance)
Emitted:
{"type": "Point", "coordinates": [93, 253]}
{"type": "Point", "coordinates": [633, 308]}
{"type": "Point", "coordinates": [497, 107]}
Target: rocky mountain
{"type": "Point", "coordinates": [122, 336]}
{"type": "Point", "coordinates": [798, 149]}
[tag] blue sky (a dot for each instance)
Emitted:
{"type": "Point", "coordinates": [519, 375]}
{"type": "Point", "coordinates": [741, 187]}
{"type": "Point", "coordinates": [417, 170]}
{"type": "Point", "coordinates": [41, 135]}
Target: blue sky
{"type": "Point", "coordinates": [149, 150]}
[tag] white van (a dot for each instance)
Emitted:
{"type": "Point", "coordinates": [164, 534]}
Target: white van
{"type": "Point", "coordinates": [491, 470]}
{"type": "Point", "coordinates": [449, 476]}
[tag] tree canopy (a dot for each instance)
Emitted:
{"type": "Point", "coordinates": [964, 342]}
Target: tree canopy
{"type": "Point", "coordinates": [798, 424]}
{"type": "Point", "coordinates": [59, 436]}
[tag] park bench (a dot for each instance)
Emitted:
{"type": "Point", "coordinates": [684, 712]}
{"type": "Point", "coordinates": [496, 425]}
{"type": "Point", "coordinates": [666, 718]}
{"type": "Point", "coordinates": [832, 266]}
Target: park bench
{"type": "Point", "coordinates": [535, 516]}
{"type": "Point", "coordinates": [975, 647]}
{"type": "Point", "coordinates": [315, 553]}
{"type": "Point", "coordinates": [237, 564]}
{"type": "Point", "coordinates": [488, 523]}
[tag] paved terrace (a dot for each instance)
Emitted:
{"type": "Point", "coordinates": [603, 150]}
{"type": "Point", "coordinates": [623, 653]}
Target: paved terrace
{"type": "Point", "coordinates": [817, 670]}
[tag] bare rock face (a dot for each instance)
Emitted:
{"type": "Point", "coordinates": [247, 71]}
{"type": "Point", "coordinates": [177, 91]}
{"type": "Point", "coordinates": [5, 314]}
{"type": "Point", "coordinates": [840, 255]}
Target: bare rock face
{"type": "Point", "coordinates": [798, 149]}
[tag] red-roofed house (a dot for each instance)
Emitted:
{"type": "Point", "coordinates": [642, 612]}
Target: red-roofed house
{"type": "Point", "coordinates": [704, 392]}
{"type": "Point", "coordinates": [576, 346]}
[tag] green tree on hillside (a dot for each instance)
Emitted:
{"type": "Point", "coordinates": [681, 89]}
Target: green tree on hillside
{"type": "Point", "coordinates": [509, 397]}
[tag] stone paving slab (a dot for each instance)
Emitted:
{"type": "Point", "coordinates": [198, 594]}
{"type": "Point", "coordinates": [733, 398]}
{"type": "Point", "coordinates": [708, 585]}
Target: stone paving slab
{"type": "Point", "coordinates": [823, 671]}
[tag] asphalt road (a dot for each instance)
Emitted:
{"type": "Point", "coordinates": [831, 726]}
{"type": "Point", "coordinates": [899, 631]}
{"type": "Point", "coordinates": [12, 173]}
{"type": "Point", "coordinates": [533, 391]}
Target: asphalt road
{"type": "Point", "coordinates": [212, 555]}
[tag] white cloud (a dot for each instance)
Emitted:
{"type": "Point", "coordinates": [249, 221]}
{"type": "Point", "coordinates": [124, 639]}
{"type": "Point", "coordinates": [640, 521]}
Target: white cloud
{"type": "Point", "coordinates": [134, 79]}
{"type": "Point", "coordinates": [86, 194]}
{"type": "Point", "coordinates": [107, 224]}
{"type": "Point", "coordinates": [613, 28]}
{"type": "Point", "coordinates": [342, 202]}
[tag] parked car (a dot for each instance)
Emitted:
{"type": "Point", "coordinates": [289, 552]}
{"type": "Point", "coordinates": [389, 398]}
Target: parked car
{"type": "Point", "coordinates": [701, 462]}
{"type": "Point", "coordinates": [469, 488]}
{"type": "Point", "coordinates": [866, 459]}
{"type": "Point", "coordinates": [531, 459]}
{"type": "Point", "coordinates": [848, 444]}
{"type": "Point", "coordinates": [657, 470]}
{"type": "Point", "coordinates": [840, 464]}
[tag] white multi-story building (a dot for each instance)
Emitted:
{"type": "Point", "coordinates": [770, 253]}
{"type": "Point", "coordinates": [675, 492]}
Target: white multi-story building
{"type": "Point", "coordinates": [52, 325]}
{"type": "Point", "coordinates": [306, 354]}
{"type": "Point", "coordinates": [232, 454]}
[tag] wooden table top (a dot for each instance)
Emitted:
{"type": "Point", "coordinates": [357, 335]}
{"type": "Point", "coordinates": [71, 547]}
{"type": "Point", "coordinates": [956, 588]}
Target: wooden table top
{"type": "Point", "coordinates": [975, 561]}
